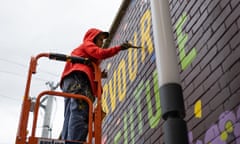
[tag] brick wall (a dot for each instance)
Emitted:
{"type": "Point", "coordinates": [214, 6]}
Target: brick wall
{"type": "Point", "coordinates": [207, 39]}
{"type": "Point", "coordinates": [212, 77]}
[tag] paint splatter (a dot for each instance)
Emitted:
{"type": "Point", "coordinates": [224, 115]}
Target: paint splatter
{"type": "Point", "coordinates": [118, 121]}
{"type": "Point", "coordinates": [153, 57]}
{"type": "Point", "coordinates": [198, 109]}
{"type": "Point", "coordinates": [104, 139]}
{"type": "Point", "coordinates": [109, 66]}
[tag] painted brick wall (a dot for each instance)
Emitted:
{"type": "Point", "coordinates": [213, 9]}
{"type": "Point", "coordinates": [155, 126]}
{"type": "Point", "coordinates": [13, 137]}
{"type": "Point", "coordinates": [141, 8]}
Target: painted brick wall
{"type": "Point", "coordinates": [211, 80]}
{"type": "Point", "coordinates": [206, 34]}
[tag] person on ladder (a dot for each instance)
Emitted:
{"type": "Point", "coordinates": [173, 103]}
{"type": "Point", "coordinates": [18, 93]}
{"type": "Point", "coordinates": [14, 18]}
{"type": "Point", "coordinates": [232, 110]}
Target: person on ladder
{"type": "Point", "coordinates": [79, 79]}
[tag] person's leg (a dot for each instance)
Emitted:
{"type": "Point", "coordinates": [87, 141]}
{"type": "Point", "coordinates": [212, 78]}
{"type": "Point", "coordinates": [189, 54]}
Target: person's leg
{"type": "Point", "coordinates": [77, 113]}
{"type": "Point", "coordinates": [66, 118]}
{"type": "Point", "coordinates": [66, 87]}
{"type": "Point", "coordinates": [78, 124]}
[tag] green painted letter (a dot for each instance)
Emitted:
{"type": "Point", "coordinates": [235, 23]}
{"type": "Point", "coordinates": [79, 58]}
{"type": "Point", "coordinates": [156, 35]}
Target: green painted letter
{"type": "Point", "coordinates": [181, 40]}
{"type": "Point", "coordinates": [154, 120]}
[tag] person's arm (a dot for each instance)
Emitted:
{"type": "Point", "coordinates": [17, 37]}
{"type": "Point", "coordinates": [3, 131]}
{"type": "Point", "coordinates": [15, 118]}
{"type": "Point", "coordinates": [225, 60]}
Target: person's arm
{"type": "Point", "coordinates": [98, 53]}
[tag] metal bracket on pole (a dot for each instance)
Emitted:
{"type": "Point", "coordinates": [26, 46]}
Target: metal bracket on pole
{"type": "Point", "coordinates": [46, 132]}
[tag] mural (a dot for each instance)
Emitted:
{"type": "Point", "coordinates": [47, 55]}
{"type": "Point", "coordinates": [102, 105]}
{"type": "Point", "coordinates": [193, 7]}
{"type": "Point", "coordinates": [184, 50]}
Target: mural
{"type": "Point", "coordinates": [131, 95]}
{"type": "Point", "coordinates": [129, 66]}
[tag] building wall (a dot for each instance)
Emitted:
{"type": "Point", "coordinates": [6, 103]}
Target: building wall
{"type": "Point", "coordinates": [206, 34]}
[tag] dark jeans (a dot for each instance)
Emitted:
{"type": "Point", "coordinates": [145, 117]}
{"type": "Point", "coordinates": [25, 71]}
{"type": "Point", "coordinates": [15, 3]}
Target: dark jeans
{"type": "Point", "coordinates": [75, 126]}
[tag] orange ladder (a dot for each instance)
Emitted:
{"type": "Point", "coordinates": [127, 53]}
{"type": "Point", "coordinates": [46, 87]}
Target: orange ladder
{"type": "Point", "coordinates": [95, 117]}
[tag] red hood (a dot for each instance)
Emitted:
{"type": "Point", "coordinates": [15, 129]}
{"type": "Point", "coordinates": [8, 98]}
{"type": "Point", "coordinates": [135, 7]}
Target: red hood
{"type": "Point", "coordinates": [91, 34]}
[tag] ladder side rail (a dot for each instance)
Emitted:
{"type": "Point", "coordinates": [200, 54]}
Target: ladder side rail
{"type": "Point", "coordinates": [98, 109]}
{"type": "Point", "coordinates": [26, 104]}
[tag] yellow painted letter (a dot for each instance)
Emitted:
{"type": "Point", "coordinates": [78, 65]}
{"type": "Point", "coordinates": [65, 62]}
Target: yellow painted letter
{"type": "Point", "coordinates": [132, 59]}
{"type": "Point", "coordinates": [145, 34]}
{"type": "Point", "coordinates": [121, 81]}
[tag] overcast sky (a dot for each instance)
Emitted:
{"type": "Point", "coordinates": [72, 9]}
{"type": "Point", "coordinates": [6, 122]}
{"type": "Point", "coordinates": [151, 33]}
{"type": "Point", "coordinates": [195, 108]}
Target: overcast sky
{"type": "Point", "coordinates": [29, 27]}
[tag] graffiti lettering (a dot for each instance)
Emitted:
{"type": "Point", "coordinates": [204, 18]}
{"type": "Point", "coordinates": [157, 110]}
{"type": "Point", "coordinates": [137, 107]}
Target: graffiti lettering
{"type": "Point", "coordinates": [112, 91]}
{"type": "Point", "coordinates": [181, 40]}
{"type": "Point", "coordinates": [133, 69]}
{"type": "Point", "coordinates": [137, 93]}
{"type": "Point", "coordinates": [153, 120]}
{"type": "Point", "coordinates": [119, 81]}
{"type": "Point", "coordinates": [145, 33]}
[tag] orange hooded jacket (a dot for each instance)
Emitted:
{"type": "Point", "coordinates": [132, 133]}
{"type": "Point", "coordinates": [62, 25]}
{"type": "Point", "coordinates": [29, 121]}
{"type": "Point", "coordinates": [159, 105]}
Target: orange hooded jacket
{"type": "Point", "coordinates": [88, 49]}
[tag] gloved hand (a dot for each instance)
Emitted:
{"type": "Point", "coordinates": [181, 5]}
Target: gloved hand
{"type": "Point", "coordinates": [104, 74]}
{"type": "Point", "coordinates": [127, 45]}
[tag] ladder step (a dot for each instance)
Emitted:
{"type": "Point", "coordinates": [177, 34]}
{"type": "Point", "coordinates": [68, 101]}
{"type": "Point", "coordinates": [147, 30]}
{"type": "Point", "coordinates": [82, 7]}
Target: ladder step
{"type": "Point", "coordinates": [53, 141]}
